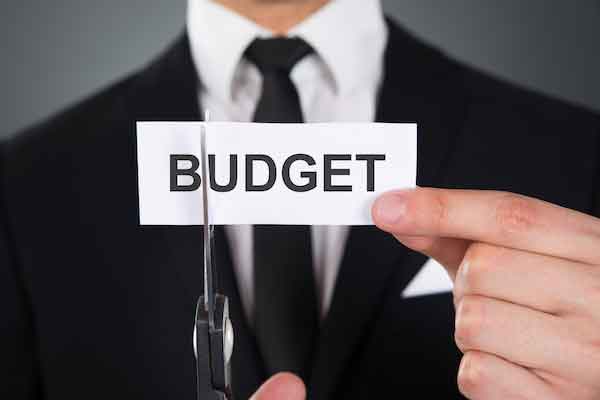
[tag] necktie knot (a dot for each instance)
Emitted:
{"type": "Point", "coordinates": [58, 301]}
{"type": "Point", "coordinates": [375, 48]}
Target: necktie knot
{"type": "Point", "coordinates": [277, 54]}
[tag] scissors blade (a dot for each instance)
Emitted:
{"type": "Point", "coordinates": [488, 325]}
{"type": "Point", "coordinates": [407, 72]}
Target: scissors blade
{"type": "Point", "coordinates": [209, 294]}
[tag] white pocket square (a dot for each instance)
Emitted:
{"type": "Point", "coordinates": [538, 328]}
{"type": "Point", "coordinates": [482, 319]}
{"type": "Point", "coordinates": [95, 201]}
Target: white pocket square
{"type": "Point", "coordinates": [431, 279]}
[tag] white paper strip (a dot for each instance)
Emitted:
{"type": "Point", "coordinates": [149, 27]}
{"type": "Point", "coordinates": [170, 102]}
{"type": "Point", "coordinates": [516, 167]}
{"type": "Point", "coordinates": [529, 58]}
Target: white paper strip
{"type": "Point", "coordinates": [348, 172]}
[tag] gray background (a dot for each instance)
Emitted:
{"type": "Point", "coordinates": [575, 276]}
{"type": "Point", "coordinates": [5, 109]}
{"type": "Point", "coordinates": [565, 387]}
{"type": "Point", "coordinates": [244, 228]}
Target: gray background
{"type": "Point", "coordinates": [55, 52]}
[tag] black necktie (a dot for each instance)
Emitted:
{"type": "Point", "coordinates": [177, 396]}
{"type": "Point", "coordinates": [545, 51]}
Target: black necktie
{"type": "Point", "coordinates": [285, 315]}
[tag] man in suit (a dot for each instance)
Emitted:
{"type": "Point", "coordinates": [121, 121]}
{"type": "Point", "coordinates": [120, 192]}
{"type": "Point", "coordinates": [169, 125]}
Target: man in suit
{"type": "Point", "coordinates": [95, 306]}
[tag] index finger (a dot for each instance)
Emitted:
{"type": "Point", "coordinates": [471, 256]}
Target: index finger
{"type": "Point", "coordinates": [499, 218]}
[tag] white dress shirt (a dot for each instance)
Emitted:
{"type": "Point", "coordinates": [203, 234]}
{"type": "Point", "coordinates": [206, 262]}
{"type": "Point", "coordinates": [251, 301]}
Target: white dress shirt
{"type": "Point", "coordinates": [339, 82]}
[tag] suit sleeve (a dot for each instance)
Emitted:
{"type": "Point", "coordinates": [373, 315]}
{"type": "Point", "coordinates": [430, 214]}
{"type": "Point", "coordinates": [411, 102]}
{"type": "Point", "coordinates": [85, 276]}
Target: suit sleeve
{"type": "Point", "coordinates": [18, 366]}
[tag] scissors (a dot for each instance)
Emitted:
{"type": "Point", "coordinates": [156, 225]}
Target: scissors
{"type": "Point", "coordinates": [213, 334]}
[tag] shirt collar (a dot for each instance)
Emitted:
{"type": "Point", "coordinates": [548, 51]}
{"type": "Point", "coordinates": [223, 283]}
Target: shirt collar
{"type": "Point", "coordinates": [348, 35]}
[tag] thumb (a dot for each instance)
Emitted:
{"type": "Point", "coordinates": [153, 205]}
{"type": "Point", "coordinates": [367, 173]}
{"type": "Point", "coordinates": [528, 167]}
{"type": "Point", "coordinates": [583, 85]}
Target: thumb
{"type": "Point", "coordinates": [282, 386]}
{"type": "Point", "coordinates": [393, 214]}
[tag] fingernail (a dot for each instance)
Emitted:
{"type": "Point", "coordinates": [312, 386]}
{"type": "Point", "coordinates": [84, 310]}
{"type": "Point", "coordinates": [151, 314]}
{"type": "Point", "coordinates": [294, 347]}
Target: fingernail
{"type": "Point", "coordinates": [390, 208]}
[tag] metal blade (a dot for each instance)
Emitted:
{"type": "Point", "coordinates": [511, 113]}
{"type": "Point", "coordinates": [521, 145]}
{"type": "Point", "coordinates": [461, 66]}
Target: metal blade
{"type": "Point", "coordinates": [209, 294]}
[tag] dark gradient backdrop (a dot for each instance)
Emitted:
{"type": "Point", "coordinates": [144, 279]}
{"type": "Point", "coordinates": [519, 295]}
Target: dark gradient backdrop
{"type": "Point", "coordinates": [54, 52]}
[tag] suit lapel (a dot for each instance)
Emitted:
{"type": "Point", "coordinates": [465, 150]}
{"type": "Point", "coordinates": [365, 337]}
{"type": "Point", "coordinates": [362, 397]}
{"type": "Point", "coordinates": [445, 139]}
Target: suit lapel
{"type": "Point", "coordinates": [166, 90]}
{"type": "Point", "coordinates": [419, 86]}
{"type": "Point", "coordinates": [422, 86]}
{"type": "Point", "coordinates": [368, 263]}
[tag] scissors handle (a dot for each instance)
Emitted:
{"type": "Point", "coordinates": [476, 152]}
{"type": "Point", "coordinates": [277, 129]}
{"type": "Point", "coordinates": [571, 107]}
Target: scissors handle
{"type": "Point", "coordinates": [214, 347]}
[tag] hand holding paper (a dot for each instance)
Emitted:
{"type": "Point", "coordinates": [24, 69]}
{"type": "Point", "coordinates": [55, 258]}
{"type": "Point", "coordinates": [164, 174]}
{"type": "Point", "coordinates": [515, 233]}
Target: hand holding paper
{"type": "Point", "coordinates": [526, 292]}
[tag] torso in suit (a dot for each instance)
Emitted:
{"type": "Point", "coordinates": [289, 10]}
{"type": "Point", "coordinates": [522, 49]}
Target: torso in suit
{"type": "Point", "coordinates": [95, 306]}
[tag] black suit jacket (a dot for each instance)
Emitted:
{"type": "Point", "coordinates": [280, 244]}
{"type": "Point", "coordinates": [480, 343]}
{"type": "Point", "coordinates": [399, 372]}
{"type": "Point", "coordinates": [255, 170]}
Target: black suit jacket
{"type": "Point", "coordinates": [94, 306]}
